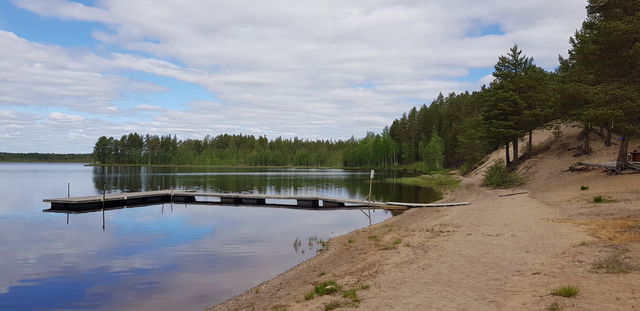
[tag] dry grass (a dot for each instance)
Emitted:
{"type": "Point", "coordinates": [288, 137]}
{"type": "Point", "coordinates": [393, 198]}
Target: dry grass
{"type": "Point", "coordinates": [614, 263]}
{"type": "Point", "coordinates": [617, 230]}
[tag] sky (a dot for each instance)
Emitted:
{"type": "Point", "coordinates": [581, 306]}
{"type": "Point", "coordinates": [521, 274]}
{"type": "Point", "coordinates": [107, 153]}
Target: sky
{"type": "Point", "coordinates": [72, 71]}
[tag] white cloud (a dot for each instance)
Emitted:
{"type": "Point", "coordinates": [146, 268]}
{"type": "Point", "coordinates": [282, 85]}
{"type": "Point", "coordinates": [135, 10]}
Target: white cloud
{"type": "Point", "coordinates": [65, 118]}
{"type": "Point", "coordinates": [281, 67]}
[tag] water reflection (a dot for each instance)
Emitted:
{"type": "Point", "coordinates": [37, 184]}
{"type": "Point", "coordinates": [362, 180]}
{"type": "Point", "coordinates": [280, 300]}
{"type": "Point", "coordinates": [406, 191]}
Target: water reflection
{"type": "Point", "coordinates": [324, 182]}
{"type": "Point", "coordinates": [159, 257]}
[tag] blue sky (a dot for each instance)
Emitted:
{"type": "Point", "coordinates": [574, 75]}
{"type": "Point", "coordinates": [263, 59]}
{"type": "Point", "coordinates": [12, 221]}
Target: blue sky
{"type": "Point", "coordinates": [76, 70]}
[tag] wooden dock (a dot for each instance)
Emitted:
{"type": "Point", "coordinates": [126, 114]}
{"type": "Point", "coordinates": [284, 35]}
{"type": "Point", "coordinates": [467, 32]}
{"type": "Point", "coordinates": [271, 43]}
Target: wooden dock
{"type": "Point", "coordinates": [119, 200]}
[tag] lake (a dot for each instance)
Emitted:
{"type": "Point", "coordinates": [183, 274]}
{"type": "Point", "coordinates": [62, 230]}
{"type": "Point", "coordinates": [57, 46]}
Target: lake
{"type": "Point", "coordinates": [165, 257]}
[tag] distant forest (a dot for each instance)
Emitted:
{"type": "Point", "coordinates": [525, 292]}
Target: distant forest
{"type": "Point", "coordinates": [597, 85]}
{"type": "Point", "coordinates": [46, 157]}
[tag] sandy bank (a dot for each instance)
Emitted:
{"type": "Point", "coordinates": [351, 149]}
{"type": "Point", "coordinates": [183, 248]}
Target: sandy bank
{"type": "Point", "coordinates": [500, 253]}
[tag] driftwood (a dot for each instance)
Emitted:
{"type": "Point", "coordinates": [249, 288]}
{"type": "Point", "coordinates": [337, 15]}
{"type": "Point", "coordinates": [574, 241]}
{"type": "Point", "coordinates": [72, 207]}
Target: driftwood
{"type": "Point", "coordinates": [610, 167]}
{"type": "Point", "coordinates": [515, 193]}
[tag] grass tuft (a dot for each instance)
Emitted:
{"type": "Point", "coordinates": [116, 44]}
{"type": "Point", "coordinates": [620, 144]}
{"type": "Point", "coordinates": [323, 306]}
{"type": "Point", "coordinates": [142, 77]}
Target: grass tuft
{"type": "Point", "coordinates": [599, 199]}
{"type": "Point", "coordinates": [351, 294]}
{"type": "Point", "coordinates": [326, 288]}
{"type": "Point", "coordinates": [554, 307]}
{"type": "Point", "coordinates": [500, 176]}
{"type": "Point", "coordinates": [309, 295]}
{"type": "Point", "coordinates": [440, 181]}
{"type": "Point", "coordinates": [583, 188]}
{"type": "Point", "coordinates": [333, 304]}
{"type": "Point", "coordinates": [614, 263]}
{"type": "Point", "coordinates": [566, 291]}
{"type": "Point", "coordinates": [373, 237]}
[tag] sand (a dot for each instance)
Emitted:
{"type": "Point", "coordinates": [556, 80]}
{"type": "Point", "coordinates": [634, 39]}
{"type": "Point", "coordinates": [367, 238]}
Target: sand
{"type": "Point", "coordinates": [499, 253]}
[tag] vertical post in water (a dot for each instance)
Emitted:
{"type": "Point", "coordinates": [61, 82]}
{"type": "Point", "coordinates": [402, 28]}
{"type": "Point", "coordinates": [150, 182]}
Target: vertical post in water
{"type": "Point", "coordinates": [67, 218]}
{"type": "Point", "coordinates": [68, 189]}
{"type": "Point", "coordinates": [104, 196]}
{"type": "Point", "coordinates": [370, 197]}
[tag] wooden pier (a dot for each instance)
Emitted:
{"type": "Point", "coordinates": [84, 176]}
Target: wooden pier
{"type": "Point", "coordinates": [126, 199]}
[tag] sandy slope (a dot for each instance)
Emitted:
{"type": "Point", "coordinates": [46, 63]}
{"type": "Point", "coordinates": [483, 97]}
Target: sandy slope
{"type": "Point", "coordinates": [500, 253]}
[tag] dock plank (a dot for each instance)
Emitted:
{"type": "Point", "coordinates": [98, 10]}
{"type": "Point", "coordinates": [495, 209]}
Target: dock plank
{"type": "Point", "coordinates": [159, 196]}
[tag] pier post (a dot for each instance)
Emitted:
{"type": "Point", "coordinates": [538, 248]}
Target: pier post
{"type": "Point", "coordinates": [370, 198]}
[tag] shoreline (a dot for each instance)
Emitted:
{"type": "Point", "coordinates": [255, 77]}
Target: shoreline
{"type": "Point", "coordinates": [501, 252]}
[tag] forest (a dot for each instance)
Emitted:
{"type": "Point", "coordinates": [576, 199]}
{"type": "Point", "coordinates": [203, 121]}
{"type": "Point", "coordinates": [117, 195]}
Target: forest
{"type": "Point", "coordinates": [46, 157]}
{"type": "Point", "coordinates": [597, 86]}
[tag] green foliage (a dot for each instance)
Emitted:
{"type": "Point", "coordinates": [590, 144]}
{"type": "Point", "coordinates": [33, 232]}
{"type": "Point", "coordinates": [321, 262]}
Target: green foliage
{"type": "Point", "coordinates": [222, 150]}
{"type": "Point", "coordinates": [600, 76]}
{"type": "Point", "coordinates": [309, 295]}
{"type": "Point", "coordinates": [332, 305]}
{"type": "Point", "coordinates": [326, 288]}
{"type": "Point", "coordinates": [433, 152]}
{"type": "Point", "coordinates": [351, 294]}
{"type": "Point", "coordinates": [499, 175]}
{"type": "Point", "coordinates": [566, 291]}
{"type": "Point", "coordinates": [45, 157]}
{"type": "Point", "coordinates": [441, 182]}
{"type": "Point", "coordinates": [583, 188]}
{"type": "Point", "coordinates": [599, 199]}
{"type": "Point", "coordinates": [373, 150]}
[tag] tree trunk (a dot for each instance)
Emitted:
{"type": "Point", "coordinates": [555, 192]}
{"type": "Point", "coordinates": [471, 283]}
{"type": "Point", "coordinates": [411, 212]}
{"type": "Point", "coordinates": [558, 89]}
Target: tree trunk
{"type": "Point", "coordinates": [586, 149]}
{"type": "Point", "coordinates": [622, 152]}
{"type": "Point", "coordinates": [506, 148]}
{"type": "Point", "coordinates": [515, 152]}
{"type": "Point", "coordinates": [607, 140]}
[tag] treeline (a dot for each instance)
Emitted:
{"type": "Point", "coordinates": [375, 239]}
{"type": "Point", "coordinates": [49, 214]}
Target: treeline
{"type": "Point", "coordinates": [226, 150]}
{"type": "Point", "coordinates": [597, 85]}
{"type": "Point", "coordinates": [46, 157]}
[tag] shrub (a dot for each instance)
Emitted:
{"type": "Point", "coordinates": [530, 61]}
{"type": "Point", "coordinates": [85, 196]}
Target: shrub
{"type": "Point", "coordinates": [584, 188]}
{"type": "Point", "coordinates": [500, 176]}
{"type": "Point", "coordinates": [599, 199]}
{"type": "Point", "coordinates": [326, 288]}
{"type": "Point", "coordinates": [334, 304]}
{"type": "Point", "coordinates": [614, 263]}
{"type": "Point", "coordinates": [351, 294]}
{"type": "Point", "coordinates": [309, 295]}
{"type": "Point", "coordinates": [566, 291]}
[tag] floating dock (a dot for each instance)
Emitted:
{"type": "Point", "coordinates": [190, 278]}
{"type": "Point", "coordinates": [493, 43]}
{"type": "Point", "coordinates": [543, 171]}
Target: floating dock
{"type": "Point", "coordinates": [126, 199]}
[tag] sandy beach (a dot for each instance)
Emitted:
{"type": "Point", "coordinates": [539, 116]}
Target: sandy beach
{"type": "Point", "coordinates": [499, 253]}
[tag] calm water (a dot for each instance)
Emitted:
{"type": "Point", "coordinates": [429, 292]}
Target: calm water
{"type": "Point", "coordinates": [156, 257]}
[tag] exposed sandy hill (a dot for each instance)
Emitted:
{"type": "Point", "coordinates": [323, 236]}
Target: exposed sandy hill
{"type": "Point", "coordinates": [500, 253]}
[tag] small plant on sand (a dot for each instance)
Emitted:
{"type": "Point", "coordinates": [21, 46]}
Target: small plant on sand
{"type": "Point", "coordinates": [309, 295]}
{"type": "Point", "coordinates": [351, 294]}
{"type": "Point", "coordinates": [393, 245]}
{"type": "Point", "coordinates": [566, 291]}
{"type": "Point", "coordinates": [333, 304]}
{"type": "Point", "coordinates": [500, 176]}
{"type": "Point", "coordinates": [599, 199]}
{"type": "Point", "coordinates": [373, 237]}
{"type": "Point", "coordinates": [326, 288]}
{"type": "Point", "coordinates": [614, 263]}
{"type": "Point", "coordinates": [555, 306]}
{"type": "Point", "coordinates": [583, 188]}
{"type": "Point", "coordinates": [351, 241]}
